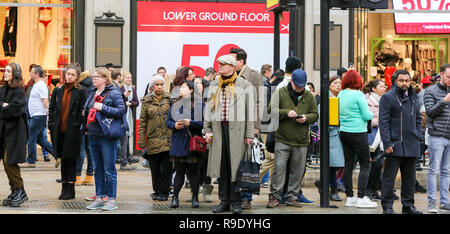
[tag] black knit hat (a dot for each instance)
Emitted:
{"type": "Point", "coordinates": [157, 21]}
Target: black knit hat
{"type": "Point", "coordinates": [293, 63]}
{"type": "Point", "coordinates": [341, 71]}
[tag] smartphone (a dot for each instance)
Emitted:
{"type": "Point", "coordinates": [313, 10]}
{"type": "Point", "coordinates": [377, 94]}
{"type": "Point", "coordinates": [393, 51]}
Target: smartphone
{"type": "Point", "coordinates": [299, 117]}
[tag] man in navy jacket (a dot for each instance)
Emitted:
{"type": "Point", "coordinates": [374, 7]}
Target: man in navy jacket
{"type": "Point", "coordinates": [400, 128]}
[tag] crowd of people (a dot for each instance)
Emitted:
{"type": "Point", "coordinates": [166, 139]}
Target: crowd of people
{"type": "Point", "coordinates": [193, 129]}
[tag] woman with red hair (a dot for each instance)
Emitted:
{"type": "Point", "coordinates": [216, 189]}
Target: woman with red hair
{"type": "Point", "coordinates": [353, 116]}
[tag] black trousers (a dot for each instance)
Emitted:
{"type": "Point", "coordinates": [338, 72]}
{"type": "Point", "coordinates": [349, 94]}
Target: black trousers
{"type": "Point", "coordinates": [356, 144]}
{"type": "Point", "coordinates": [227, 188]}
{"type": "Point", "coordinates": [161, 169]}
{"type": "Point", "coordinates": [407, 167]}
{"type": "Point", "coordinates": [68, 170]}
{"type": "Point", "coordinates": [375, 170]}
{"type": "Point", "coordinates": [202, 171]}
{"type": "Point", "coordinates": [191, 170]}
{"type": "Point", "coordinates": [68, 166]}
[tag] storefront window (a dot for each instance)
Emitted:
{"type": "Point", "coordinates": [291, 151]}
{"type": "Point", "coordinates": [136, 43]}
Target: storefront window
{"type": "Point", "coordinates": [37, 32]}
{"type": "Point", "coordinates": [409, 35]}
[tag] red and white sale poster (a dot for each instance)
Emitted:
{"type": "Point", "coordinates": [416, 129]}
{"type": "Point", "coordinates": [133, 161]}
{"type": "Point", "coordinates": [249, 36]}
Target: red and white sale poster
{"type": "Point", "coordinates": [195, 34]}
{"type": "Point", "coordinates": [422, 23]}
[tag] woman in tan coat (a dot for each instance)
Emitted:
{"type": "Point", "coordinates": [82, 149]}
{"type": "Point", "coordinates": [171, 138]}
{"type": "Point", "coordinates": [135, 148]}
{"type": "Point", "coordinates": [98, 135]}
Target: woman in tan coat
{"type": "Point", "coordinates": [156, 137]}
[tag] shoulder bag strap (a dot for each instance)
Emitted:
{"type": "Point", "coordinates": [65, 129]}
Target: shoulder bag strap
{"type": "Point", "coordinates": [246, 153]}
{"type": "Point", "coordinates": [190, 134]}
{"type": "Point", "coordinates": [253, 153]}
{"type": "Point", "coordinates": [106, 94]}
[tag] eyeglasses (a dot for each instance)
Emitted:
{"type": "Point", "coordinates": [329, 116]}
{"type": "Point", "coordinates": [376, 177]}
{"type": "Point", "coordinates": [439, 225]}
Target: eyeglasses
{"type": "Point", "coordinates": [96, 77]}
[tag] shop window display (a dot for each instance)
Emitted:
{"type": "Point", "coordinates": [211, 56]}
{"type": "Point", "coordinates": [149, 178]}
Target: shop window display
{"type": "Point", "coordinates": [10, 32]}
{"type": "Point", "coordinates": [421, 57]}
{"type": "Point", "coordinates": [37, 32]}
{"type": "Point", "coordinates": [387, 60]}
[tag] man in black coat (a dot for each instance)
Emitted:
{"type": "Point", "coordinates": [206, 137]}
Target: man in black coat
{"type": "Point", "coordinates": [400, 128]}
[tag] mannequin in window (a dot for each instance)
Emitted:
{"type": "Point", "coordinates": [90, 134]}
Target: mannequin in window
{"type": "Point", "coordinates": [43, 25]}
{"type": "Point", "coordinates": [10, 32]}
{"type": "Point", "coordinates": [408, 67]}
{"type": "Point", "coordinates": [387, 59]}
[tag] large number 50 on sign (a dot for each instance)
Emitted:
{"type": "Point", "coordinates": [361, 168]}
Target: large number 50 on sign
{"type": "Point", "coordinates": [190, 51]}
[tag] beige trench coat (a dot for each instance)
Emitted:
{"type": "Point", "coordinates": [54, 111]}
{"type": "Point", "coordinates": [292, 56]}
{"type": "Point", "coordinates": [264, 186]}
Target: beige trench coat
{"type": "Point", "coordinates": [241, 126]}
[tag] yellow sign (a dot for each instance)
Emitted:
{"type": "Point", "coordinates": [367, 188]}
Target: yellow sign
{"type": "Point", "coordinates": [334, 111]}
{"type": "Point", "coordinates": [272, 4]}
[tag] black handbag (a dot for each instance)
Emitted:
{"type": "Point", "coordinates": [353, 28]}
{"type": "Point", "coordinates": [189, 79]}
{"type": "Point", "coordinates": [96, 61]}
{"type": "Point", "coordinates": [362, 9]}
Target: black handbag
{"type": "Point", "coordinates": [270, 142]}
{"type": "Point", "coordinates": [248, 174]}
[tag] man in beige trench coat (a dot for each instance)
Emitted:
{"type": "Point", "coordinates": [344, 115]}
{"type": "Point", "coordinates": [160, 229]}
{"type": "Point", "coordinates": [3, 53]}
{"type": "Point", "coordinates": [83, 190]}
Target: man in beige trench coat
{"type": "Point", "coordinates": [229, 127]}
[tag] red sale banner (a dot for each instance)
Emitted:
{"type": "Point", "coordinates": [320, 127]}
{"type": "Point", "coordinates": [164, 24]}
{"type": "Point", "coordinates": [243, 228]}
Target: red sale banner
{"type": "Point", "coordinates": [206, 17]}
{"type": "Point", "coordinates": [422, 23]}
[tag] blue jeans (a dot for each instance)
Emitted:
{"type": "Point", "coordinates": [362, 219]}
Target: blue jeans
{"type": "Point", "coordinates": [265, 179]}
{"type": "Point", "coordinates": [439, 161]}
{"type": "Point", "coordinates": [85, 149]}
{"type": "Point", "coordinates": [44, 136]}
{"type": "Point", "coordinates": [37, 126]}
{"type": "Point", "coordinates": [246, 196]}
{"type": "Point", "coordinates": [104, 155]}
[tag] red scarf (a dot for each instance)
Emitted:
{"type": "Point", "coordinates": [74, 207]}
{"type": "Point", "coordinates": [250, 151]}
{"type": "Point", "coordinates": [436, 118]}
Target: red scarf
{"type": "Point", "coordinates": [93, 111]}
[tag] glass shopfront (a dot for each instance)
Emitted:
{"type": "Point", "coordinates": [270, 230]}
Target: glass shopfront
{"type": "Point", "coordinates": [411, 35]}
{"type": "Point", "coordinates": [37, 32]}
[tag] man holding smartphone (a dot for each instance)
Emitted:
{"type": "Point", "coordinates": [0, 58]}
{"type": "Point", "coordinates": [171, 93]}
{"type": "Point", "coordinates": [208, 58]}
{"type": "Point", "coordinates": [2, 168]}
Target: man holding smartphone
{"type": "Point", "coordinates": [297, 109]}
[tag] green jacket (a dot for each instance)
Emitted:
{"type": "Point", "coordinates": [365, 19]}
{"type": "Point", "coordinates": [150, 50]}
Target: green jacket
{"type": "Point", "coordinates": [290, 132]}
{"type": "Point", "coordinates": [153, 132]}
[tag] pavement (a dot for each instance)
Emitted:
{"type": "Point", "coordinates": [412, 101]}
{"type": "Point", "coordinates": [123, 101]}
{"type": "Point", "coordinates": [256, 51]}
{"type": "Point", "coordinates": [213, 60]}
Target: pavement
{"type": "Point", "coordinates": [133, 196]}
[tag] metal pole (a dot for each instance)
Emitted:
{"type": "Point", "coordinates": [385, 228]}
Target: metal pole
{"type": "Point", "coordinates": [276, 41]}
{"type": "Point", "coordinates": [133, 55]}
{"type": "Point", "coordinates": [324, 107]}
{"type": "Point", "coordinates": [351, 36]}
{"type": "Point", "coordinates": [79, 28]}
{"type": "Point", "coordinates": [300, 45]}
{"type": "Point", "coordinates": [292, 4]}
